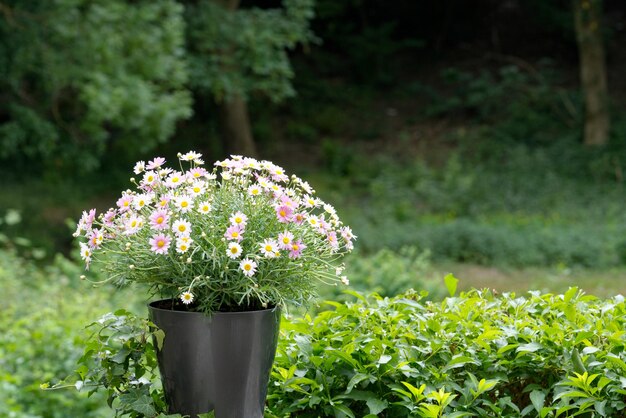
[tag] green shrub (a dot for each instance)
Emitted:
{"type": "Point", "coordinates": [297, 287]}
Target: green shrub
{"type": "Point", "coordinates": [388, 273]}
{"type": "Point", "coordinates": [474, 355]}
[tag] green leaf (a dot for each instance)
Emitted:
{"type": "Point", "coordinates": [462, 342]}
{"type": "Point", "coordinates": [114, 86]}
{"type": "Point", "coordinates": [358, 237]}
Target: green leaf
{"type": "Point", "coordinates": [451, 283]}
{"type": "Point", "coordinates": [138, 401]}
{"type": "Point", "coordinates": [384, 359]}
{"type": "Point", "coordinates": [207, 415]}
{"type": "Point", "coordinates": [342, 410]}
{"type": "Point", "coordinates": [159, 336]}
{"type": "Point", "coordinates": [376, 405]}
{"type": "Point", "coordinates": [537, 397]}
{"type": "Point", "coordinates": [459, 361]}
{"type": "Point", "coordinates": [529, 348]}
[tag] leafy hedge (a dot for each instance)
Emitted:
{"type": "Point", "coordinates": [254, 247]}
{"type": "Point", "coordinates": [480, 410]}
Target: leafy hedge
{"type": "Point", "coordinates": [475, 355]}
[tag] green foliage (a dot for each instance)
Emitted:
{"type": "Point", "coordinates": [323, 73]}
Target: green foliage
{"type": "Point", "coordinates": [520, 105]}
{"type": "Point", "coordinates": [244, 52]}
{"type": "Point", "coordinates": [509, 205]}
{"type": "Point", "coordinates": [119, 85]}
{"type": "Point", "coordinates": [473, 355]}
{"type": "Point", "coordinates": [386, 272]}
{"type": "Point", "coordinates": [120, 360]}
{"type": "Point", "coordinates": [43, 313]}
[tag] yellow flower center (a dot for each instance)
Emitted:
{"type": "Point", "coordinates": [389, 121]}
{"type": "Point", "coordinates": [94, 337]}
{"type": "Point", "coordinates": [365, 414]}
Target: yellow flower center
{"type": "Point", "coordinates": [286, 240]}
{"type": "Point", "coordinates": [283, 212]}
{"type": "Point", "coordinates": [182, 227]}
{"type": "Point", "coordinates": [295, 247]}
{"type": "Point", "coordinates": [196, 189]}
{"type": "Point", "coordinates": [133, 224]}
{"type": "Point", "coordinates": [184, 204]}
{"type": "Point", "coordinates": [247, 267]}
{"type": "Point", "coordinates": [234, 250]}
{"type": "Point", "coordinates": [160, 243]}
{"type": "Point", "coordinates": [268, 248]}
{"type": "Point", "coordinates": [159, 220]}
{"type": "Point", "coordinates": [183, 247]}
{"type": "Point", "coordinates": [235, 234]}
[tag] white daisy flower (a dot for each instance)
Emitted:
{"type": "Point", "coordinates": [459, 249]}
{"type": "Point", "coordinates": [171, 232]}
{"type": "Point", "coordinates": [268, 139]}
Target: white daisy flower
{"type": "Point", "coordinates": [140, 167]}
{"type": "Point", "coordinates": [184, 203]}
{"type": "Point", "coordinates": [313, 221]}
{"type": "Point", "coordinates": [269, 248]}
{"type": "Point", "coordinates": [133, 224]}
{"type": "Point", "coordinates": [85, 252]}
{"type": "Point", "coordinates": [175, 179]}
{"type": "Point", "coordinates": [141, 200]}
{"type": "Point", "coordinates": [204, 207]}
{"type": "Point", "coordinates": [183, 244]}
{"type": "Point", "coordinates": [197, 188]}
{"type": "Point", "coordinates": [310, 201]}
{"type": "Point", "coordinates": [181, 227]}
{"type": "Point", "coordinates": [190, 156]}
{"type": "Point", "coordinates": [239, 219]}
{"type": "Point", "coordinates": [248, 267]}
{"type": "Point", "coordinates": [149, 177]}
{"type": "Point", "coordinates": [234, 250]}
{"type": "Point", "coordinates": [254, 190]}
{"type": "Point", "coordinates": [186, 297]}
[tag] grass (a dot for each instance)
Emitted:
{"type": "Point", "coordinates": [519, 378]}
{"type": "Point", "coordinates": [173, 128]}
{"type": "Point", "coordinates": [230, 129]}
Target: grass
{"type": "Point", "coordinates": [602, 283]}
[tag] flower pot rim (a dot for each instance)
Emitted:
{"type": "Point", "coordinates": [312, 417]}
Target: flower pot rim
{"type": "Point", "coordinates": [269, 309]}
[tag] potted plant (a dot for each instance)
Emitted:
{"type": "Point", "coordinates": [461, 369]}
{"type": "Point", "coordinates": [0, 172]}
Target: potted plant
{"type": "Point", "coordinates": [223, 251]}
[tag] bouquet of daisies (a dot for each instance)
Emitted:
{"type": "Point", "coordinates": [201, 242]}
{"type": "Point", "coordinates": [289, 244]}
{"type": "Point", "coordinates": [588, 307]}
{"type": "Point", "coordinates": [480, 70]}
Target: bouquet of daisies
{"type": "Point", "coordinates": [242, 236]}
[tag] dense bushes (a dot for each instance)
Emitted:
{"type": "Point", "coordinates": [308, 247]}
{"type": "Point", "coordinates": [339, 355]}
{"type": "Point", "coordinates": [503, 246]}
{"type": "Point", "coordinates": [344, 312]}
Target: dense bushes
{"type": "Point", "coordinates": [474, 355]}
{"type": "Point", "coordinates": [523, 208]}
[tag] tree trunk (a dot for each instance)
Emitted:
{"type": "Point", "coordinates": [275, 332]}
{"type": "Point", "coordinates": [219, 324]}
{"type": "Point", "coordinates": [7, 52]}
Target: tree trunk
{"type": "Point", "coordinates": [588, 16]}
{"type": "Point", "coordinates": [234, 119]}
{"type": "Point", "coordinates": [236, 129]}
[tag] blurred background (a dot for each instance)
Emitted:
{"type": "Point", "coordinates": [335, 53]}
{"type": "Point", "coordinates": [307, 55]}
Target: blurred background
{"type": "Point", "coordinates": [483, 138]}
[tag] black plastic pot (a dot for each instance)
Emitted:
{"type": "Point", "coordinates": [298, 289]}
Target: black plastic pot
{"type": "Point", "coordinates": [219, 363]}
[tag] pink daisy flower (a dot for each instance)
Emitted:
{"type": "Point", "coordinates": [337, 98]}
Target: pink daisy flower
{"type": "Point", "coordinates": [108, 217]}
{"type": "Point", "coordinates": [331, 237]}
{"type": "Point", "coordinates": [287, 201]}
{"type": "Point", "coordinates": [124, 203]}
{"type": "Point", "coordinates": [95, 238]}
{"type": "Point", "coordinates": [197, 173]}
{"type": "Point", "coordinates": [156, 163]}
{"type": "Point", "coordinates": [285, 240]}
{"type": "Point", "coordinates": [160, 243]}
{"type": "Point", "coordinates": [296, 249]}
{"type": "Point", "coordinates": [87, 219]}
{"type": "Point", "coordinates": [159, 219]}
{"type": "Point", "coordinates": [284, 213]}
{"type": "Point", "coordinates": [234, 233]}
{"type": "Point", "coordinates": [298, 218]}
